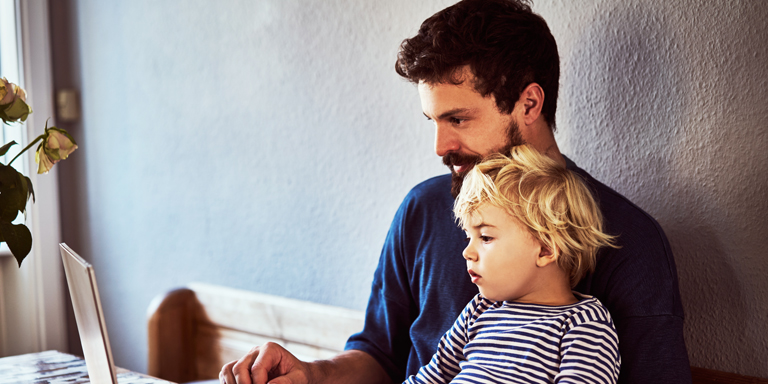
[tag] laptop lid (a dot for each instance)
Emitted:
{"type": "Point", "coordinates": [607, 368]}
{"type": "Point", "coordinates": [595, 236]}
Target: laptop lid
{"type": "Point", "coordinates": [81, 280]}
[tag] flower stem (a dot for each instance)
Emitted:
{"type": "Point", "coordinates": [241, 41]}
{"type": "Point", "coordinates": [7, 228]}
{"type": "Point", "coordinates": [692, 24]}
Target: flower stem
{"type": "Point", "coordinates": [26, 148]}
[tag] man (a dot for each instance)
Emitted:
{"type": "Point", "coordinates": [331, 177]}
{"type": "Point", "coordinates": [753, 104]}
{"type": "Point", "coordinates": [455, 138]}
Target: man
{"type": "Point", "coordinates": [487, 74]}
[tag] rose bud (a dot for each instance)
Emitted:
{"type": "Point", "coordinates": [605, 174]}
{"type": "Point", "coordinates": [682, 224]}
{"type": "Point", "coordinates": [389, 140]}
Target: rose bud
{"type": "Point", "coordinates": [56, 146]}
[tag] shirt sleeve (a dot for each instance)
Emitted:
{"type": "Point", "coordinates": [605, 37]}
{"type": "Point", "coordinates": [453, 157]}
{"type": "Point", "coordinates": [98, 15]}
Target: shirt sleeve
{"type": "Point", "coordinates": [658, 350]}
{"type": "Point", "coordinates": [444, 365]}
{"type": "Point", "coordinates": [391, 307]}
{"type": "Point", "coordinates": [589, 353]}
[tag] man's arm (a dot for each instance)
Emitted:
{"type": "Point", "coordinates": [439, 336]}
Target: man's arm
{"type": "Point", "coordinates": [659, 354]}
{"type": "Point", "coordinates": [638, 284]}
{"type": "Point", "coordinates": [272, 363]}
{"type": "Point", "coordinates": [445, 363]}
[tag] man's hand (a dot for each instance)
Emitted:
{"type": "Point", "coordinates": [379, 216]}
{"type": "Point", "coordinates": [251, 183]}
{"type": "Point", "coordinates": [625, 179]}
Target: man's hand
{"type": "Point", "coordinates": [267, 363]}
{"type": "Point", "coordinates": [271, 363]}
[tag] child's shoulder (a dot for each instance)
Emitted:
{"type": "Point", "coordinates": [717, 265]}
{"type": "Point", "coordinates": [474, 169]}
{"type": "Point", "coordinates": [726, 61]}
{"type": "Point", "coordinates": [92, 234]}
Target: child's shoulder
{"type": "Point", "coordinates": [478, 305]}
{"type": "Point", "coordinates": [589, 309]}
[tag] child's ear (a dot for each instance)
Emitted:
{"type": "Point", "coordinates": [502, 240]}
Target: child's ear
{"type": "Point", "coordinates": [546, 256]}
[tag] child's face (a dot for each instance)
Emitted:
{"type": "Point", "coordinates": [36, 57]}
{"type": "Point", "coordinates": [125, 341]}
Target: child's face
{"type": "Point", "coordinates": [502, 257]}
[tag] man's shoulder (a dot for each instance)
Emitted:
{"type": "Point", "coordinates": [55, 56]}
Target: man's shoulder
{"type": "Point", "coordinates": [433, 193]}
{"type": "Point", "coordinates": [639, 277]}
{"type": "Point", "coordinates": [434, 187]}
{"type": "Point", "coordinates": [621, 216]}
{"type": "Point", "coordinates": [428, 207]}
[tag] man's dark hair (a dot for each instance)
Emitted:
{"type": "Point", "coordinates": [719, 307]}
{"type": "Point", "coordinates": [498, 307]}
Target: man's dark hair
{"type": "Point", "coordinates": [503, 42]}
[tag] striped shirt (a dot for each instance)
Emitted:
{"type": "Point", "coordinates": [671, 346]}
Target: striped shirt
{"type": "Point", "coordinates": [509, 342]}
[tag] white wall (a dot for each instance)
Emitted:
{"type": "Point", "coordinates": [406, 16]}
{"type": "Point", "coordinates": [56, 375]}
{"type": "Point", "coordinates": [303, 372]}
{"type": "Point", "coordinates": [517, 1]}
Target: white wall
{"type": "Point", "coordinates": [265, 145]}
{"type": "Point", "coordinates": [666, 102]}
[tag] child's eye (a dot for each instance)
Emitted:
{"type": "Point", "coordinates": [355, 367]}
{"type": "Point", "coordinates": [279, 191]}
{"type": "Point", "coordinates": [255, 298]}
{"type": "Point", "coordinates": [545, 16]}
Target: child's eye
{"type": "Point", "coordinates": [486, 239]}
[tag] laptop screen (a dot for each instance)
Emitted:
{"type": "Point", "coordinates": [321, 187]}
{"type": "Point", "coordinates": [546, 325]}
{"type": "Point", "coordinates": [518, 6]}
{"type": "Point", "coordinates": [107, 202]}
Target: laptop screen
{"type": "Point", "coordinates": [81, 280]}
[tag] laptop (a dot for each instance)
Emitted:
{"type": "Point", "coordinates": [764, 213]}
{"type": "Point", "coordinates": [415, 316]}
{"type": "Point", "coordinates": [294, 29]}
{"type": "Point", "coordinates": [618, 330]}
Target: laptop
{"type": "Point", "coordinates": [81, 280]}
{"type": "Point", "coordinates": [89, 316]}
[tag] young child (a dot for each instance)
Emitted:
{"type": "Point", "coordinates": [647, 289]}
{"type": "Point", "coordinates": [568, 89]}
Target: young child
{"type": "Point", "coordinates": [533, 230]}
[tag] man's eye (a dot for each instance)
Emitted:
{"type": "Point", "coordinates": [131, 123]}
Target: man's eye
{"type": "Point", "coordinates": [456, 121]}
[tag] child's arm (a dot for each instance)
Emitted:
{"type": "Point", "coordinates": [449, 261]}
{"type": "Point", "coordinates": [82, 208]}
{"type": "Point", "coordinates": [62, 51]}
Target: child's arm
{"type": "Point", "coordinates": [590, 353]}
{"type": "Point", "coordinates": [444, 365]}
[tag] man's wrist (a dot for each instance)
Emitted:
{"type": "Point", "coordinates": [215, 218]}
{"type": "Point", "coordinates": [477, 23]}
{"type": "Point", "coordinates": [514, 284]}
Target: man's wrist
{"type": "Point", "coordinates": [349, 367]}
{"type": "Point", "coordinates": [317, 371]}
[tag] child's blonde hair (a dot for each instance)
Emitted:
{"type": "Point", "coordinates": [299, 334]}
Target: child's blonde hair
{"type": "Point", "coordinates": [551, 201]}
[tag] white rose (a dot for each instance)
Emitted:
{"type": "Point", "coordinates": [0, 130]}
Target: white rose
{"type": "Point", "coordinates": [56, 146]}
{"type": "Point", "coordinates": [13, 102]}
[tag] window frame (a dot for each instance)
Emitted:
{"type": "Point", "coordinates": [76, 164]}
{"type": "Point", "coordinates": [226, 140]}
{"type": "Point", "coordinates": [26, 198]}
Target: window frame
{"type": "Point", "coordinates": [32, 298]}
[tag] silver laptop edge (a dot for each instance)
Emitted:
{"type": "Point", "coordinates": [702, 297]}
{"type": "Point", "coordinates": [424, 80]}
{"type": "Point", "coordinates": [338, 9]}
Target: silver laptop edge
{"type": "Point", "coordinates": [89, 316]}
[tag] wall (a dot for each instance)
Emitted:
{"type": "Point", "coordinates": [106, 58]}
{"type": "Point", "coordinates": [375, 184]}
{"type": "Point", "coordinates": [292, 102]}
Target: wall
{"type": "Point", "coordinates": [266, 145]}
{"type": "Point", "coordinates": [666, 101]}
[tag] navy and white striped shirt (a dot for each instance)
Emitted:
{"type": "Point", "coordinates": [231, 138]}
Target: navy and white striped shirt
{"type": "Point", "coordinates": [509, 342]}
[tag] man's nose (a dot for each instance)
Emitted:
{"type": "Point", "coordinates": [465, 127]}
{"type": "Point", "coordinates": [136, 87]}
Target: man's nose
{"type": "Point", "coordinates": [445, 140]}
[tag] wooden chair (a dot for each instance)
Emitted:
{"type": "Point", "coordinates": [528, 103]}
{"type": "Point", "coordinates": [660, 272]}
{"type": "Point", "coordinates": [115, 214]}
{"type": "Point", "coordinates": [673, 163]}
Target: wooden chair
{"type": "Point", "coordinates": [709, 376]}
{"type": "Point", "coordinates": [193, 331]}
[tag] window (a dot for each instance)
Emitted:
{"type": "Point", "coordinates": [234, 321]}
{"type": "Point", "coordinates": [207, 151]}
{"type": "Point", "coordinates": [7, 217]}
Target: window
{"type": "Point", "coordinates": [9, 68]}
{"type": "Point", "coordinates": [32, 315]}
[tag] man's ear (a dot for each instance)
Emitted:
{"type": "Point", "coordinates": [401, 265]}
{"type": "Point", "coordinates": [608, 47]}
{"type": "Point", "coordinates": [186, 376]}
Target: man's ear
{"type": "Point", "coordinates": [532, 99]}
{"type": "Point", "coordinates": [547, 256]}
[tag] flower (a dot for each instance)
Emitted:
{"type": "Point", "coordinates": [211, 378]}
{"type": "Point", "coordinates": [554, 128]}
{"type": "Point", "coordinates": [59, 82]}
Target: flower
{"type": "Point", "coordinates": [57, 144]}
{"type": "Point", "coordinates": [15, 188]}
{"type": "Point", "coordinates": [13, 102]}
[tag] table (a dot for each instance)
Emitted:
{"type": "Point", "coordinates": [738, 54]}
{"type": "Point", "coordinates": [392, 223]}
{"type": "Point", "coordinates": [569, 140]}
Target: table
{"type": "Point", "coordinates": [54, 367]}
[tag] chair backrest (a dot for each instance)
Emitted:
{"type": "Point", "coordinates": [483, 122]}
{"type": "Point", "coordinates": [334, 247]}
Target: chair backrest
{"type": "Point", "coordinates": [194, 330]}
{"type": "Point", "coordinates": [710, 376]}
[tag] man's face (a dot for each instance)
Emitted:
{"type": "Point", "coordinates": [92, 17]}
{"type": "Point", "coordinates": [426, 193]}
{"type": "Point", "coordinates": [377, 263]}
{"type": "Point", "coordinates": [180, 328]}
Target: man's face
{"type": "Point", "coordinates": [468, 126]}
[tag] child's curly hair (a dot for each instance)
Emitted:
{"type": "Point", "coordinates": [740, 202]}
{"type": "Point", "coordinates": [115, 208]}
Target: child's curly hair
{"type": "Point", "coordinates": [552, 202]}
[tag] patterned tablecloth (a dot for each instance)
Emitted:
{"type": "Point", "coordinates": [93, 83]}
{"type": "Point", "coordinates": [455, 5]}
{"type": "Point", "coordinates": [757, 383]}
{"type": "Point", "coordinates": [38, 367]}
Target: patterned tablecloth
{"type": "Point", "coordinates": [55, 367]}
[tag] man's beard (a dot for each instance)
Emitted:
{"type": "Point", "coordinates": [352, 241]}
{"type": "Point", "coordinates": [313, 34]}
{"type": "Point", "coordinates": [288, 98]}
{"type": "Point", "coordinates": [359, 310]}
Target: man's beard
{"type": "Point", "coordinates": [513, 139]}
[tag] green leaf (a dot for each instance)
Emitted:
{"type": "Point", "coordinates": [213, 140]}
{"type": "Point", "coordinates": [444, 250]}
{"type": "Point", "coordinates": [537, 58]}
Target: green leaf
{"type": "Point", "coordinates": [18, 238]}
{"type": "Point", "coordinates": [7, 213]}
{"type": "Point", "coordinates": [30, 190]}
{"type": "Point", "coordinates": [4, 149]}
{"type": "Point", "coordinates": [24, 189]}
{"type": "Point", "coordinates": [7, 175]}
{"type": "Point", "coordinates": [13, 194]}
{"type": "Point", "coordinates": [5, 118]}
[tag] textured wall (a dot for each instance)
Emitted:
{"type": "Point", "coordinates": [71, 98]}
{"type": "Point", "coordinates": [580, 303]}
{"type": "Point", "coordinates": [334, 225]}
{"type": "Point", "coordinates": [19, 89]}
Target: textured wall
{"type": "Point", "coordinates": [266, 145]}
{"type": "Point", "coordinates": [666, 102]}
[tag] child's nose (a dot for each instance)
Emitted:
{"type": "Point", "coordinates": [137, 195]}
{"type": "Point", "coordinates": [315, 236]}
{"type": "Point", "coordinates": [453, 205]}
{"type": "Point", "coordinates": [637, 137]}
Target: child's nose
{"type": "Point", "coordinates": [469, 253]}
